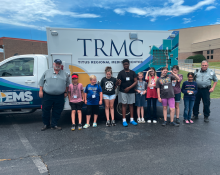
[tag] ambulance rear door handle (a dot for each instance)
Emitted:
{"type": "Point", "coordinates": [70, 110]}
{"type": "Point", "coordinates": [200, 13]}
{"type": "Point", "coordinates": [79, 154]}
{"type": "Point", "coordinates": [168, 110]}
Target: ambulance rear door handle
{"type": "Point", "coordinates": [29, 81]}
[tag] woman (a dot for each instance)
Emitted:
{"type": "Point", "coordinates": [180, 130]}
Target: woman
{"type": "Point", "coordinates": [151, 78]}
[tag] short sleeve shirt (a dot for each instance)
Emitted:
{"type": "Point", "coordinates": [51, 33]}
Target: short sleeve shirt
{"type": "Point", "coordinates": [75, 93]}
{"type": "Point", "coordinates": [108, 85]}
{"type": "Point", "coordinates": [176, 84]}
{"type": "Point", "coordinates": [93, 94]}
{"type": "Point", "coordinates": [152, 92]}
{"type": "Point", "coordinates": [127, 79]}
{"type": "Point", "coordinates": [165, 85]}
{"type": "Point", "coordinates": [54, 84]}
{"type": "Point", "coordinates": [141, 86]}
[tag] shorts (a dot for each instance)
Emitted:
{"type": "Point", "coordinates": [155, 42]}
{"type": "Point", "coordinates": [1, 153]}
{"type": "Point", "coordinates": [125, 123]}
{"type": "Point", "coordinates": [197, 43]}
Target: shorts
{"type": "Point", "coordinates": [126, 98]}
{"type": "Point", "coordinates": [92, 109]}
{"type": "Point", "coordinates": [169, 101]}
{"type": "Point", "coordinates": [109, 97]}
{"type": "Point", "coordinates": [140, 100]}
{"type": "Point", "coordinates": [177, 97]}
{"type": "Point", "coordinates": [76, 106]}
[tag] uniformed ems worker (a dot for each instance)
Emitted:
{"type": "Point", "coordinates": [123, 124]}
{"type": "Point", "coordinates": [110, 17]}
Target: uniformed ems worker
{"type": "Point", "coordinates": [203, 78]}
{"type": "Point", "coordinates": [53, 89]}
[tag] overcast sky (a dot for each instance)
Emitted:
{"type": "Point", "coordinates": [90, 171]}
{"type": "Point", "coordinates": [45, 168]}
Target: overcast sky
{"type": "Point", "coordinates": [28, 18]}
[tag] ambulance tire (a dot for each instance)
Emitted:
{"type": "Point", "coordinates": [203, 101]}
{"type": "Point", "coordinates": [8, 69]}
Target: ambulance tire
{"type": "Point", "coordinates": [118, 110]}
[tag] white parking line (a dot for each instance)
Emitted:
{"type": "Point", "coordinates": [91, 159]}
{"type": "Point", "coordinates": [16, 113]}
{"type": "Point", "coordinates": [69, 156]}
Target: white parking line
{"type": "Point", "coordinates": [30, 150]}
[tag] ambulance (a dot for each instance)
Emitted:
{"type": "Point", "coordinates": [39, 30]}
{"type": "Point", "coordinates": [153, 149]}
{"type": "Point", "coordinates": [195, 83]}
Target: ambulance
{"type": "Point", "coordinates": [85, 52]}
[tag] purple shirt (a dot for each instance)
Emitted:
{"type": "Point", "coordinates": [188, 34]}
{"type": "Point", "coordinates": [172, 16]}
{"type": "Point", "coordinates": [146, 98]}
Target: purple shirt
{"type": "Point", "coordinates": [177, 88]}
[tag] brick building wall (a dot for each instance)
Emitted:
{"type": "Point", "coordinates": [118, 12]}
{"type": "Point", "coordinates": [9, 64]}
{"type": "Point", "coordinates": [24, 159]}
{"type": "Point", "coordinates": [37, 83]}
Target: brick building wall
{"type": "Point", "coordinates": [22, 46]}
{"type": "Point", "coordinates": [1, 56]}
{"type": "Point", "coordinates": [212, 56]}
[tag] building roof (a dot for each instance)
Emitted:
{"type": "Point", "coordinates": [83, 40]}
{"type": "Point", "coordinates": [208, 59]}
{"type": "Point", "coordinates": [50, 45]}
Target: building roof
{"type": "Point", "coordinates": [8, 38]}
{"type": "Point", "coordinates": [195, 27]}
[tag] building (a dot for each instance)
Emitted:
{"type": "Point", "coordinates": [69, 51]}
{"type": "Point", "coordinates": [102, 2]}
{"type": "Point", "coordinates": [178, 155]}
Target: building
{"type": "Point", "coordinates": [17, 46]}
{"type": "Point", "coordinates": [204, 40]}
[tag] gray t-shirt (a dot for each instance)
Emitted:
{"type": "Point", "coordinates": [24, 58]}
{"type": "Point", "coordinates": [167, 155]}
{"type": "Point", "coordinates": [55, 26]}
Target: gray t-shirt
{"type": "Point", "coordinates": [204, 78]}
{"type": "Point", "coordinates": [165, 85]}
{"type": "Point", "coordinates": [141, 86]}
{"type": "Point", "coordinates": [54, 84]}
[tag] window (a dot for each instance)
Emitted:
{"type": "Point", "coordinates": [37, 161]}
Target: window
{"type": "Point", "coordinates": [211, 56]}
{"type": "Point", "coordinates": [207, 57]}
{"type": "Point", "coordinates": [207, 51]}
{"type": "Point", "coordinates": [212, 51]}
{"type": "Point", "coordinates": [17, 67]}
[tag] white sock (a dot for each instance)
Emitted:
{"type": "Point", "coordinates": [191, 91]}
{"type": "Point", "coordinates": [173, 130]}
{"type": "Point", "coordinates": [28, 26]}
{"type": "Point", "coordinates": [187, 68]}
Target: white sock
{"type": "Point", "coordinates": [139, 118]}
{"type": "Point", "coordinates": [131, 119]}
{"type": "Point", "coordinates": [142, 119]}
{"type": "Point", "coordinates": [124, 119]}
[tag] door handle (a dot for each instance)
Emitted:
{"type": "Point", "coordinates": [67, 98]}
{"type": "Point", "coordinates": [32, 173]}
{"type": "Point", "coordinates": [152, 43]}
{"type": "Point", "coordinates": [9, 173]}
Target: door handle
{"type": "Point", "coordinates": [29, 81]}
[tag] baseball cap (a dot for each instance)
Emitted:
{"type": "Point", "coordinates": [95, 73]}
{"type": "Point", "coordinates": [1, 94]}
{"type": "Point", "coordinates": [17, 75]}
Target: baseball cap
{"type": "Point", "coordinates": [58, 61]}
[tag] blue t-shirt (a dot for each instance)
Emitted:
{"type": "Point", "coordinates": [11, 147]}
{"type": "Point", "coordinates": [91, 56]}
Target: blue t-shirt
{"type": "Point", "coordinates": [93, 94]}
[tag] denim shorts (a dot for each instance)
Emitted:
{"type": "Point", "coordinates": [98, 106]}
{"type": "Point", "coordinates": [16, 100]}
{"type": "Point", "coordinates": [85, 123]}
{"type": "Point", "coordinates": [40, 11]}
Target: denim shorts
{"type": "Point", "coordinates": [177, 97]}
{"type": "Point", "coordinates": [109, 97]}
{"type": "Point", "coordinates": [140, 100]}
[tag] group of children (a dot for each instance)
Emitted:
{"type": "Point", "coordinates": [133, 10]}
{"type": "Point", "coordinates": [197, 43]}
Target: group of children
{"type": "Point", "coordinates": [166, 89]}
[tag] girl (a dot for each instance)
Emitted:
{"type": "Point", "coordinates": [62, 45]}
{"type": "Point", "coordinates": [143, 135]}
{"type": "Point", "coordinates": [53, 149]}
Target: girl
{"type": "Point", "coordinates": [177, 91]}
{"type": "Point", "coordinates": [108, 84]}
{"type": "Point", "coordinates": [151, 78]}
{"type": "Point", "coordinates": [189, 88]}
{"type": "Point", "coordinates": [141, 89]}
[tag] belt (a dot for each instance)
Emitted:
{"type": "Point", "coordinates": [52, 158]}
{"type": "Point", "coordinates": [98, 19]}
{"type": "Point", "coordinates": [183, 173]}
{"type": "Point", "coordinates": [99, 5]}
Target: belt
{"type": "Point", "coordinates": [208, 87]}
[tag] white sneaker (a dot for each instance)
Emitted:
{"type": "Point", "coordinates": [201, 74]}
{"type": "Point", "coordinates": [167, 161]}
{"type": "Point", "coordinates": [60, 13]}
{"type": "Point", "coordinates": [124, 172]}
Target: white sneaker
{"type": "Point", "coordinates": [142, 120]}
{"type": "Point", "coordinates": [154, 121]}
{"type": "Point", "coordinates": [139, 120]}
{"type": "Point", "coordinates": [149, 121]}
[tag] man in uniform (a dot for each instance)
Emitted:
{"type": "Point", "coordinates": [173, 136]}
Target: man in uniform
{"type": "Point", "coordinates": [53, 89]}
{"type": "Point", "coordinates": [203, 78]}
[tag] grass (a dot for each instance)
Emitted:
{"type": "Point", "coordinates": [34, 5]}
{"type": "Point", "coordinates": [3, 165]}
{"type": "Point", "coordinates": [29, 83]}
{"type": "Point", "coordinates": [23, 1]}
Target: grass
{"type": "Point", "coordinates": [211, 65]}
{"type": "Point", "coordinates": [215, 94]}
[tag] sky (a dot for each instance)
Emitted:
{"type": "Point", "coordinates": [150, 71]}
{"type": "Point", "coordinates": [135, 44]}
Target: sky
{"type": "Point", "coordinates": [28, 19]}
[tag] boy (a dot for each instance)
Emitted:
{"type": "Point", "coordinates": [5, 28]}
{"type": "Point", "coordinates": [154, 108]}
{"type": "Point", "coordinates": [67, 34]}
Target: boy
{"type": "Point", "coordinates": [93, 98]}
{"type": "Point", "coordinates": [76, 98]}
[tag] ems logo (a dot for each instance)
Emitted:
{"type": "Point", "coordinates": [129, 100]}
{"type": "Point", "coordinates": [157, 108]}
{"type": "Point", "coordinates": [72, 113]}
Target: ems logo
{"type": "Point", "coordinates": [2, 97]}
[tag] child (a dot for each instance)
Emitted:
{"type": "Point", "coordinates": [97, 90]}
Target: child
{"type": "Point", "coordinates": [93, 98]}
{"type": "Point", "coordinates": [189, 88]}
{"type": "Point", "coordinates": [76, 98]}
{"type": "Point", "coordinates": [177, 91]}
{"type": "Point", "coordinates": [141, 89]}
{"type": "Point", "coordinates": [151, 78]}
{"type": "Point", "coordinates": [108, 85]}
{"type": "Point", "coordinates": [165, 93]}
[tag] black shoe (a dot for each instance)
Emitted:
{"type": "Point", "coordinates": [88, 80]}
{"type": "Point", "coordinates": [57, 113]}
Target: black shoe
{"type": "Point", "coordinates": [177, 120]}
{"type": "Point", "coordinates": [206, 119]}
{"type": "Point", "coordinates": [57, 128]}
{"type": "Point", "coordinates": [45, 127]}
{"type": "Point", "coordinates": [108, 123]}
{"type": "Point", "coordinates": [113, 123]}
{"type": "Point", "coordinates": [164, 123]}
{"type": "Point", "coordinates": [73, 127]}
{"type": "Point", "coordinates": [174, 124]}
{"type": "Point", "coordinates": [195, 117]}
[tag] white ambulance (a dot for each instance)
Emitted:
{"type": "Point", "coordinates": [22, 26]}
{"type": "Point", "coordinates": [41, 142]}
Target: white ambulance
{"type": "Point", "coordinates": [85, 52]}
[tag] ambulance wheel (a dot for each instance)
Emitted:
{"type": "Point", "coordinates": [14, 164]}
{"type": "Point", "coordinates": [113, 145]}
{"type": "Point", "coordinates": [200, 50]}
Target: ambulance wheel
{"type": "Point", "coordinates": [118, 110]}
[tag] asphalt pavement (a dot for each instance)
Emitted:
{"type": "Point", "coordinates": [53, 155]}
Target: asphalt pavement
{"type": "Point", "coordinates": [143, 149]}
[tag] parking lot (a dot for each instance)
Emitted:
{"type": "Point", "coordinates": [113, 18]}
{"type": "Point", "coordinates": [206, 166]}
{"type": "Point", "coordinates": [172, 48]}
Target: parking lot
{"type": "Point", "coordinates": [143, 149]}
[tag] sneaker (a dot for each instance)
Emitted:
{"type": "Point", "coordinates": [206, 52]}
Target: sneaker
{"type": "Point", "coordinates": [154, 121]}
{"type": "Point", "coordinates": [45, 127]}
{"type": "Point", "coordinates": [139, 120]}
{"type": "Point", "coordinates": [56, 128]}
{"type": "Point", "coordinates": [125, 124]}
{"type": "Point", "coordinates": [108, 123]}
{"type": "Point", "coordinates": [195, 117]}
{"type": "Point", "coordinates": [186, 121]}
{"type": "Point", "coordinates": [142, 120]}
{"type": "Point", "coordinates": [133, 123]}
{"type": "Point", "coordinates": [177, 120]}
{"type": "Point", "coordinates": [190, 121]}
{"type": "Point", "coordinates": [94, 125]}
{"type": "Point", "coordinates": [73, 127]}
{"type": "Point", "coordinates": [206, 119]}
{"type": "Point", "coordinates": [174, 124]}
{"type": "Point", "coordinates": [79, 126]}
{"type": "Point", "coordinates": [86, 126]}
{"type": "Point", "coordinates": [164, 123]}
{"type": "Point", "coordinates": [113, 123]}
{"type": "Point", "coordinates": [149, 121]}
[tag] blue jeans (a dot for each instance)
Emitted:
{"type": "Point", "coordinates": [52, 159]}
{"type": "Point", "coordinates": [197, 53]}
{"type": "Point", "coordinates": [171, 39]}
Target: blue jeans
{"type": "Point", "coordinates": [188, 107]}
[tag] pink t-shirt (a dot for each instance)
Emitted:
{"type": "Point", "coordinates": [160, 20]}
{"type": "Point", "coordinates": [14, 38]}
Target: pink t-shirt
{"type": "Point", "coordinates": [75, 93]}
